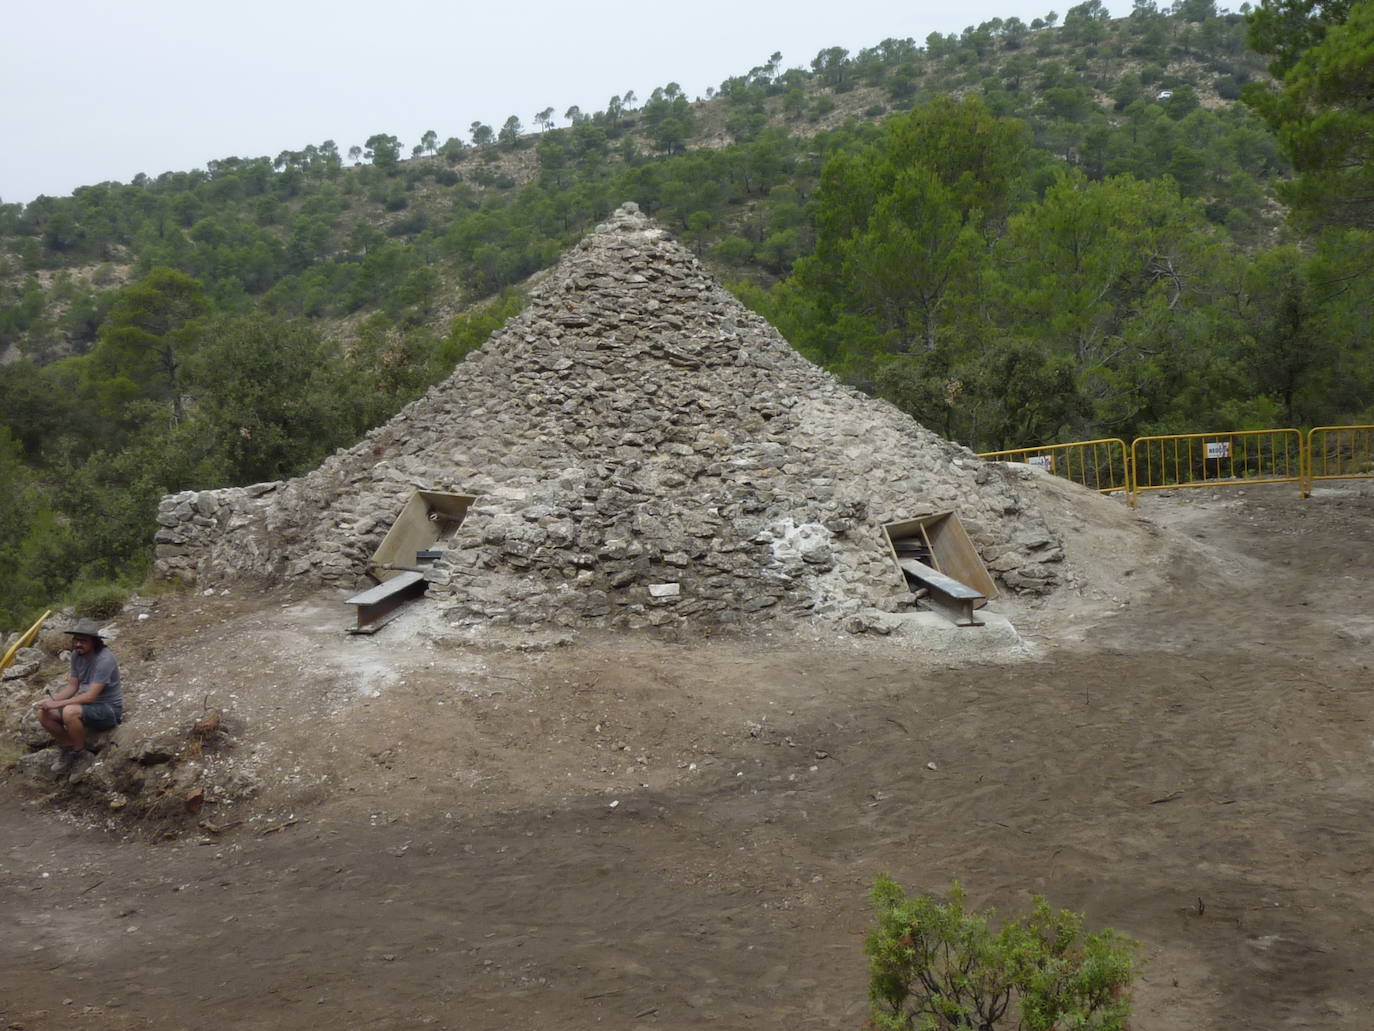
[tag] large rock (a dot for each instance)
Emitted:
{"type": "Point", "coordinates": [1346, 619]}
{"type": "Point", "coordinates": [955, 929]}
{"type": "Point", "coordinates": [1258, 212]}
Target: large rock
{"type": "Point", "coordinates": [23, 665]}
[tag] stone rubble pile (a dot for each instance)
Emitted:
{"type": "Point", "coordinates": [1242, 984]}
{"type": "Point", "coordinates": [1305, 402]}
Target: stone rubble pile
{"type": "Point", "coordinates": [645, 451]}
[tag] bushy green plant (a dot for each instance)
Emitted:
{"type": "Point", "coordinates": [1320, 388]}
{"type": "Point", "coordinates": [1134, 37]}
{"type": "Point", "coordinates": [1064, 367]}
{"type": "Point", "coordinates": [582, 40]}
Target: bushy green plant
{"type": "Point", "coordinates": [935, 966]}
{"type": "Point", "coordinates": [822, 106]}
{"type": "Point", "coordinates": [99, 600]}
{"type": "Point", "coordinates": [470, 330]}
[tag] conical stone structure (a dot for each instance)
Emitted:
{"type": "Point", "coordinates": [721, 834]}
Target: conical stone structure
{"type": "Point", "coordinates": [645, 451]}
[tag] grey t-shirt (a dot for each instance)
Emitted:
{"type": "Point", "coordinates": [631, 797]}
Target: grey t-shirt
{"type": "Point", "coordinates": [99, 668]}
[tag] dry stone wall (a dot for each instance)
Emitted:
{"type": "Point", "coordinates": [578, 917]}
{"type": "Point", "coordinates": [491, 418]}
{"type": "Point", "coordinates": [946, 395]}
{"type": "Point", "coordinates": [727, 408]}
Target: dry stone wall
{"type": "Point", "coordinates": [645, 451]}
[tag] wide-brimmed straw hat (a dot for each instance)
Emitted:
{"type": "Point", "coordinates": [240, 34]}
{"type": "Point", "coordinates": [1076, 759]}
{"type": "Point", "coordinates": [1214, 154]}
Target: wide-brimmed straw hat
{"type": "Point", "coordinates": [86, 628]}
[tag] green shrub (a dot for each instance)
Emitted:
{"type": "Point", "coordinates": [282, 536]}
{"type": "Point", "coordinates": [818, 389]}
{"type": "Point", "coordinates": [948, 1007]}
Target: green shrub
{"type": "Point", "coordinates": [470, 330]}
{"type": "Point", "coordinates": [935, 967]}
{"type": "Point", "coordinates": [99, 601]}
{"type": "Point", "coordinates": [821, 107]}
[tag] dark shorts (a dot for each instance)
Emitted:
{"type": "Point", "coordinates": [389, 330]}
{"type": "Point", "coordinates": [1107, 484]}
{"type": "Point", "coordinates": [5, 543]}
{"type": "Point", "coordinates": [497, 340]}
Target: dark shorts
{"type": "Point", "coordinates": [99, 716]}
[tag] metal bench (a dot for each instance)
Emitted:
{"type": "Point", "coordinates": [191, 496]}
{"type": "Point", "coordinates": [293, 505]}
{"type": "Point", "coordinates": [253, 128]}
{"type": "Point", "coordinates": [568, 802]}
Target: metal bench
{"type": "Point", "coordinates": [380, 601]}
{"type": "Point", "coordinates": [956, 600]}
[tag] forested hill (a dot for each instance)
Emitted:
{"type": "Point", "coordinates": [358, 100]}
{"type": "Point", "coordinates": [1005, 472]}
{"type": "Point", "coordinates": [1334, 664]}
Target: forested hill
{"type": "Point", "coordinates": [1022, 233]}
{"type": "Point", "coordinates": [405, 228]}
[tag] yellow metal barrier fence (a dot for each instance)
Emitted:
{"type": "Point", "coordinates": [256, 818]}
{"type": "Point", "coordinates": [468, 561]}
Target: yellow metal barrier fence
{"type": "Point", "coordinates": [1236, 458]}
{"type": "Point", "coordinates": [1339, 453]}
{"type": "Point", "coordinates": [1100, 465]}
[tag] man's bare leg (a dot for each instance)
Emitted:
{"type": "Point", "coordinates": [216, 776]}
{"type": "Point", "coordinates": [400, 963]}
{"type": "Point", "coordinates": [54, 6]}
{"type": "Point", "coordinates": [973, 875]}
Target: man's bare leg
{"type": "Point", "coordinates": [52, 722]}
{"type": "Point", "coordinates": [76, 730]}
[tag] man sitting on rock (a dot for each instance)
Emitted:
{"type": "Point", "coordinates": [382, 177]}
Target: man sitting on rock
{"type": "Point", "coordinates": [92, 699]}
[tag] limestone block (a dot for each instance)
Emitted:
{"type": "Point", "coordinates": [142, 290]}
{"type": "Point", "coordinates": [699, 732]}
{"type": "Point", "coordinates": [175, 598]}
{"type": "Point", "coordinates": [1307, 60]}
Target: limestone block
{"type": "Point", "coordinates": [30, 732]}
{"type": "Point", "coordinates": [36, 767]}
{"type": "Point", "coordinates": [757, 602]}
{"type": "Point", "coordinates": [21, 668]}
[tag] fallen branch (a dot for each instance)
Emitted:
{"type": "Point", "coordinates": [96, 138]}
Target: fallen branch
{"type": "Point", "coordinates": [218, 828]}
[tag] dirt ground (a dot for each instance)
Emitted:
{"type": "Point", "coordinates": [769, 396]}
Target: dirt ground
{"type": "Point", "coordinates": [487, 832]}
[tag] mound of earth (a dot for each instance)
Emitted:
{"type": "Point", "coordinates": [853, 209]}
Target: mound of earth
{"type": "Point", "coordinates": [644, 451]}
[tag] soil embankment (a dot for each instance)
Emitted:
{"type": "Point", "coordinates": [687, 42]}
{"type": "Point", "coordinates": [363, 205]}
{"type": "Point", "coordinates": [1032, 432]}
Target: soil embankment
{"type": "Point", "coordinates": [470, 832]}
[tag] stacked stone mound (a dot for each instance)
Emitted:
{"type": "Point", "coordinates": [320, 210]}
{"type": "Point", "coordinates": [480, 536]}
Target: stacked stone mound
{"type": "Point", "coordinates": [644, 451]}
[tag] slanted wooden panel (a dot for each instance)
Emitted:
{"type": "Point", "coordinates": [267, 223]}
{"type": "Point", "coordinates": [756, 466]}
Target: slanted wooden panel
{"type": "Point", "coordinates": [952, 553]}
{"type": "Point", "coordinates": [907, 528]}
{"type": "Point", "coordinates": [428, 517]}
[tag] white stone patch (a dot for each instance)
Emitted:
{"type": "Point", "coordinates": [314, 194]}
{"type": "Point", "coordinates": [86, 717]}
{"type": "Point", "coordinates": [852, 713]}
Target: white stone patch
{"type": "Point", "coordinates": [793, 540]}
{"type": "Point", "coordinates": [365, 675]}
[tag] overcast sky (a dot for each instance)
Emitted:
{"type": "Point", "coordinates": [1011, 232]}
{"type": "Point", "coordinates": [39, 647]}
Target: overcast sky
{"type": "Point", "coordinates": [92, 91]}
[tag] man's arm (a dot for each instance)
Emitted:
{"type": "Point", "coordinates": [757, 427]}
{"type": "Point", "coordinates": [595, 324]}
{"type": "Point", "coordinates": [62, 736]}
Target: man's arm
{"type": "Point", "coordinates": [68, 695]}
{"type": "Point", "coordinates": [87, 696]}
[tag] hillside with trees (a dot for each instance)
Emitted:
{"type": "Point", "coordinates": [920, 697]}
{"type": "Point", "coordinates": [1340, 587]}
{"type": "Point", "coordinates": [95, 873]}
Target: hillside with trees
{"type": "Point", "coordinates": [1024, 233]}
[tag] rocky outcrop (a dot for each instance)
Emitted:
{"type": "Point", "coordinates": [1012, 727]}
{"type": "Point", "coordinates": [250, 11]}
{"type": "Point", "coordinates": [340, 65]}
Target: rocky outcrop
{"type": "Point", "coordinates": [645, 451]}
